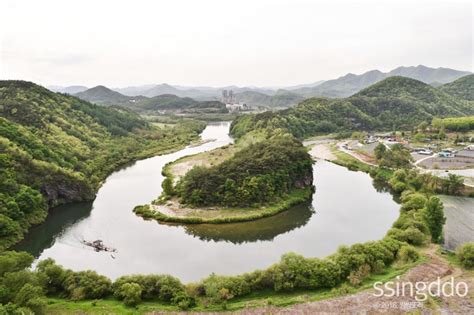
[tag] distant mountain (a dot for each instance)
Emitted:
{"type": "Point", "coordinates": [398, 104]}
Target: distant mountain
{"type": "Point", "coordinates": [351, 83]}
{"type": "Point", "coordinates": [462, 88]}
{"type": "Point", "coordinates": [399, 100]}
{"type": "Point", "coordinates": [134, 90]}
{"type": "Point", "coordinates": [281, 98]}
{"type": "Point", "coordinates": [343, 86]}
{"type": "Point", "coordinates": [73, 89]}
{"type": "Point", "coordinates": [165, 101]}
{"type": "Point", "coordinates": [172, 103]}
{"type": "Point", "coordinates": [429, 75]}
{"type": "Point", "coordinates": [392, 104]}
{"type": "Point", "coordinates": [199, 93]}
{"type": "Point", "coordinates": [161, 89]}
{"type": "Point", "coordinates": [104, 96]}
{"type": "Point", "coordinates": [300, 86]}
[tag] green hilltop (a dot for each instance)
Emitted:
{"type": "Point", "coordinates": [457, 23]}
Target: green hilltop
{"type": "Point", "coordinates": [394, 103]}
{"type": "Point", "coordinates": [462, 88]}
{"type": "Point", "coordinates": [102, 95]}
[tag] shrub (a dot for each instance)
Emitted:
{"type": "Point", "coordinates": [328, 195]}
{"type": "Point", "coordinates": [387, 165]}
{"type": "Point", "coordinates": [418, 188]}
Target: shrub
{"type": "Point", "coordinates": [14, 261]}
{"type": "Point", "coordinates": [411, 235]}
{"type": "Point", "coordinates": [357, 276]}
{"type": "Point", "coordinates": [219, 288]}
{"type": "Point", "coordinates": [465, 253]}
{"type": "Point", "coordinates": [32, 297]}
{"type": "Point", "coordinates": [131, 293]}
{"type": "Point", "coordinates": [408, 254]}
{"type": "Point", "coordinates": [53, 274]}
{"type": "Point", "coordinates": [183, 300]}
{"type": "Point", "coordinates": [413, 201]}
{"type": "Point", "coordinates": [378, 267]}
{"type": "Point", "coordinates": [162, 287]}
{"type": "Point", "coordinates": [87, 285]}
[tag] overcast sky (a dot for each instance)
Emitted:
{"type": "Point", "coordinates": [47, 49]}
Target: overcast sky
{"type": "Point", "coordinates": [203, 42]}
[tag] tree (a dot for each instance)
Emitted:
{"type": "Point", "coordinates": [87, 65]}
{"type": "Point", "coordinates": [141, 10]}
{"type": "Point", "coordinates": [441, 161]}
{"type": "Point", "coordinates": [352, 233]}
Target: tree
{"type": "Point", "coordinates": [379, 151]}
{"type": "Point", "coordinates": [32, 297]}
{"type": "Point", "coordinates": [11, 261]}
{"type": "Point", "coordinates": [168, 186]}
{"type": "Point", "coordinates": [453, 184]}
{"type": "Point", "coordinates": [423, 126]}
{"type": "Point", "coordinates": [131, 293]}
{"type": "Point", "coordinates": [434, 217]}
{"type": "Point", "coordinates": [465, 254]}
{"type": "Point", "coordinates": [397, 157]}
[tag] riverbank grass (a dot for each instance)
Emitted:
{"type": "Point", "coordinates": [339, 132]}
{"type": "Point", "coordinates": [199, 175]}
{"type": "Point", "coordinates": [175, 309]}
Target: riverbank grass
{"type": "Point", "coordinates": [253, 300]}
{"type": "Point", "coordinates": [173, 212]}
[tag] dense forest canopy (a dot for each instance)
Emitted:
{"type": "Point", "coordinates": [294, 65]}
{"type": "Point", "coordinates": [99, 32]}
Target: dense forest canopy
{"type": "Point", "coordinates": [462, 88]}
{"type": "Point", "coordinates": [56, 148]}
{"type": "Point", "coordinates": [258, 173]}
{"type": "Point", "coordinates": [394, 103]}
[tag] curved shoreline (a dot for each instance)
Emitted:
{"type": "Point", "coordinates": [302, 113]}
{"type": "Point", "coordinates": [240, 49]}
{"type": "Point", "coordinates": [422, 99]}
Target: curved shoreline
{"type": "Point", "coordinates": [294, 198]}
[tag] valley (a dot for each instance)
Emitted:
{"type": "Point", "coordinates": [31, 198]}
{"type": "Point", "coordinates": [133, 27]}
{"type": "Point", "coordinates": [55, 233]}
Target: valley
{"type": "Point", "coordinates": [149, 180]}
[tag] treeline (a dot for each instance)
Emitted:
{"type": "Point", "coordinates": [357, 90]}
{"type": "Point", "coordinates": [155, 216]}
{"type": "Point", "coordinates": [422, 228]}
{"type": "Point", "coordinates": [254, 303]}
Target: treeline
{"type": "Point", "coordinates": [56, 149]}
{"type": "Point", "coordinates": [392, 104]}
{"type": "Point", "coordinates": [421, 220]}
{"type": "Point", "coordinates": [257, 174]}
{"type": "Point", "coordinates": [461, 124]}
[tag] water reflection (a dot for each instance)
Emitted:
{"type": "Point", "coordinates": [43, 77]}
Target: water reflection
{"type": "Point", "coordinates": [348, 210]}
{"type": "Point", "coordinates": [265, 229]}
{"type": "Point", "coordinates": [60, 219]}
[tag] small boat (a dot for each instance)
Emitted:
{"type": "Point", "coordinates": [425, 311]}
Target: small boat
{"type": "Point", "coordinates": [99, 246]}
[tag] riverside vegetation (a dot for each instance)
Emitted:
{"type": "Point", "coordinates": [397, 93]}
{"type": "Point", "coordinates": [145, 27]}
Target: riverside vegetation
{"type": "Point", "coordinates": [263, 174]}
{"type": "Point", "coordinates": [56, 149]}
{"type": "Point", "coordinates": [421, 218]}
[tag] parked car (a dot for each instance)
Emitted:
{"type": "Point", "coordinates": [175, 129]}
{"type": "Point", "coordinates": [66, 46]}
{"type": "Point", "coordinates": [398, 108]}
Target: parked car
{"type": "Point", "coordinates": [425, 152]}
{"type": "Point", "coordinates": [446, 154]}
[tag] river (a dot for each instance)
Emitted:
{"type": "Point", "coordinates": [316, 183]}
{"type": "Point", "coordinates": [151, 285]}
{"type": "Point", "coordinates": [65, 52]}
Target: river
{"type": "Point", "coordinates": [346, 208]}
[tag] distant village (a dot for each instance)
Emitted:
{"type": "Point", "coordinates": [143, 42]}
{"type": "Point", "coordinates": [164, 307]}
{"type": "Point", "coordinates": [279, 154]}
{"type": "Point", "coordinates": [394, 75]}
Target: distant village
{"type": "Point", "coordinates": [434, 154]}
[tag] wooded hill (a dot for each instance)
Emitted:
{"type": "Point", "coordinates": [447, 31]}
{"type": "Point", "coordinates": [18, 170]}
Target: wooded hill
{"type": "Point", "coordinates": [394, 103]}
{"type": "Point", "coordinates": [280, 99]}
{"type": "Point", "coordinates": [352, 83]}
{"type": "Point", "coordinates": [56, 148]}
{"type": "Point", "coordinates": [102, 95]}
{"type": "Point", "coordinates": [462, 88]}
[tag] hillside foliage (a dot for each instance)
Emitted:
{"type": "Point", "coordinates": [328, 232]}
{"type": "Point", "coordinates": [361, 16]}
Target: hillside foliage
{"type": "Point", "coordinates": [392, 104]}
{"type": "Point", "coordinates": [256, 174]}
{"type": "Point", "coordinates": [55, 148]}
{"type": "Point", "coordinates": [462, 88]}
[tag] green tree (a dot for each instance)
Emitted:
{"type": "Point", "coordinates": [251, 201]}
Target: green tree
{"type": "Point", "coordinates": [32, 297]}
{"type": "Point", "coordinates": [379, 151]}
{"type": "Point", "coordinates": [434, 217]}
{"type": "Point", "coordinates": [453, 184]}
{"type": "Point", "coordinates": [465, 254]}
{"type": "Point", "coordinates": [167, 185]}
{"type": "Point", "coordinates": [131, 293]}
